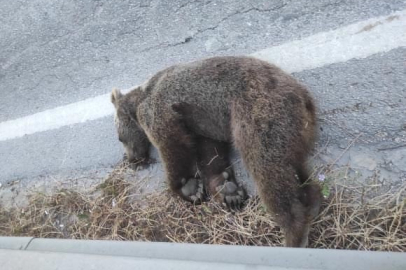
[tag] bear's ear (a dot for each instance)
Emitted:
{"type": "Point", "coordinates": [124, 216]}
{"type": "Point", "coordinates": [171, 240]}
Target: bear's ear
{"type": "Point", "coordinates": [115, 96]}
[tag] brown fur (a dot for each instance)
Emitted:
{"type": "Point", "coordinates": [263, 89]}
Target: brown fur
{"type": "Point", "coordinates": [267, 115]}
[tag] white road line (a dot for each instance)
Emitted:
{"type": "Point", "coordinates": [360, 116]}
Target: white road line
{"type": "Point", "coordinates": [359, 40]}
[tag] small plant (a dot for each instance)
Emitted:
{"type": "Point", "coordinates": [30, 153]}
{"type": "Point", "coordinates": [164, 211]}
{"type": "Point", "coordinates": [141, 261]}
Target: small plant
{"type": "Point", "coordinates": [325, 183]}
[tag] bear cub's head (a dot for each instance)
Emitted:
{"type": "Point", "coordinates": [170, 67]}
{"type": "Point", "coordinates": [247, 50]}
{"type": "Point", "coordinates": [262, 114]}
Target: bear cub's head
{"type": "Point", "coordinates": [130, 134]}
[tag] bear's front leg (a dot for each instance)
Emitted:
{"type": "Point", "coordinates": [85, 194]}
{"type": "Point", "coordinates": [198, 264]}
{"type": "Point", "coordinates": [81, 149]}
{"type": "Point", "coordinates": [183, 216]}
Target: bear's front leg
{"type": "Point", "coordinates": [176, 149]}
{"type": "Point", "coordinates": [179, 159]}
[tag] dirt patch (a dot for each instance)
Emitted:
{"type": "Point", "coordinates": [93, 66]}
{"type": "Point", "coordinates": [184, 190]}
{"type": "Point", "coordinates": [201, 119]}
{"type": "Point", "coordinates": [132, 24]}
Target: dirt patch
{"type": "Point", "coordinates": [353, 216]}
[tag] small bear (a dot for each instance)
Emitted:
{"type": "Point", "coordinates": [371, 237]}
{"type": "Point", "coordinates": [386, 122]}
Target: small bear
{"type": "Point", "coordinates": [193, 112]}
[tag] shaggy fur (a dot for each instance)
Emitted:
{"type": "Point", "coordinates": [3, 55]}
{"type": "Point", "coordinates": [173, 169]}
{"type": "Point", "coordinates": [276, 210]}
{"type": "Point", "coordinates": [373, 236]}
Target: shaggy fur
{"type": "Point", "coordinates": [188, 110]}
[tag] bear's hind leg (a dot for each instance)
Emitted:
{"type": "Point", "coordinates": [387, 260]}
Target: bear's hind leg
{"type": "Point", "coordinates": [217, 172]}
{"type": "Point", "coordinates": [310, 191]}
{"type": "Point", "coordinates": [269, 148]}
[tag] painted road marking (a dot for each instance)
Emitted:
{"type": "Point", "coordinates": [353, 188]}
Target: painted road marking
{"type": "Point", "coordinates": [356, 41]}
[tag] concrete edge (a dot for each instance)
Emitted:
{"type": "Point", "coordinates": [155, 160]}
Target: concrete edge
{"type": "Point", "coordinates": [248, 255]}
{"type": "Point", "coordinates": [17, 243]}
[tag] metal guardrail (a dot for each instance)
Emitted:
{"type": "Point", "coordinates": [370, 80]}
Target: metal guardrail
{"type": "Point", "coordinates": [44, 254]}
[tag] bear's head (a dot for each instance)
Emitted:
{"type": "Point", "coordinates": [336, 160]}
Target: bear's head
{"type": "Point", "coordinates": [130, 134]}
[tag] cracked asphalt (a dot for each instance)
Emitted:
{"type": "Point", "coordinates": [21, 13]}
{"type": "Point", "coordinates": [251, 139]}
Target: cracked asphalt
{"type": "Point", "coordinates": [55, 53]}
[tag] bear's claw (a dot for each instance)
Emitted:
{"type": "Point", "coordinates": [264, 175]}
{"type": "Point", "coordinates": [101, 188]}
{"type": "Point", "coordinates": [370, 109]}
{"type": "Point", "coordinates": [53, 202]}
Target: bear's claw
{"type": "Point", "coordinates": [231, 194]}
{"type": "Point", "coordinates": [192, 189]}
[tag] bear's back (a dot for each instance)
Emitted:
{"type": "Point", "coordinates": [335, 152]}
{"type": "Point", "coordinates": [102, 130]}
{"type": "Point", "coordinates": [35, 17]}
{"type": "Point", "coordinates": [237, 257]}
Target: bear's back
{"type": "Point", "coordinates": [206, 89]}
{"type": "Point", "coordinates": [212, 79]}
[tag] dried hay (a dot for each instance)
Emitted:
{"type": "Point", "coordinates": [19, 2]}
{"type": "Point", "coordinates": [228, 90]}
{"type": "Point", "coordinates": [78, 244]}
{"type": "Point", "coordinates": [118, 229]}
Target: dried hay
{"type": "Point", "coordinates": [352, 217]}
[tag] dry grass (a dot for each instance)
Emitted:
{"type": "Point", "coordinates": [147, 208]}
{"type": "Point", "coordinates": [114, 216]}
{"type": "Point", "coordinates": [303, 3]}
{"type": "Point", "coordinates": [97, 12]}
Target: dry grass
{"type": "Point", "coordinates": [119, 210]}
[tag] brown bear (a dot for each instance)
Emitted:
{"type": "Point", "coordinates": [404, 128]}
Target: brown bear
{"type": "Point", "coordinates": [193, 112]}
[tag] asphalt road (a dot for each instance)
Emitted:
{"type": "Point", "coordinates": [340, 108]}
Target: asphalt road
{"type": "Point", "coordinates": [55, 53]}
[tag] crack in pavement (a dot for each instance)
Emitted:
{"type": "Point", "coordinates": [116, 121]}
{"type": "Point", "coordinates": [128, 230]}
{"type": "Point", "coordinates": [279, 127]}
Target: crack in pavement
{"type": "Point", "coordinates": [184, 5]}
{"type": "Point", "coordinates": [238, 12]}
{"type": "Point", "coordinates": [201, 31]}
